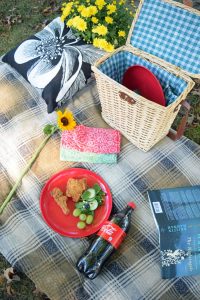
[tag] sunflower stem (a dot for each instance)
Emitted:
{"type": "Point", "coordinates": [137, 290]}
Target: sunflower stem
{"type": "Point", "coordinates": [27, 168]}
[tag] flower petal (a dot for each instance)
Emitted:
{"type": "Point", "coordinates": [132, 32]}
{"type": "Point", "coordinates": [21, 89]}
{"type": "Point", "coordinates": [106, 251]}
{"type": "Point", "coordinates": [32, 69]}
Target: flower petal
{"type": "Point", "coordinates": [42, 72]}
{"type": "Point", "coordinates": [72, 57]}
{"type": "Point", "coordinates": [59, 113]}
{"type": "Point", "coordinates": [90, 53]}
{"type": "Point", "coordinates": [45, 34]}
{"type": "Point", "coordinates": [26, 51]}
{"type": "Point", "coordinates": [56, 27]}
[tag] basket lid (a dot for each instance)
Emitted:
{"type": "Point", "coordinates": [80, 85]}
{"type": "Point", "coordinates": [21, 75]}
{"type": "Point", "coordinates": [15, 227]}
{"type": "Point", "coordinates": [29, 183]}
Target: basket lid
{"type": "Point", "coordinates": [170, 31]}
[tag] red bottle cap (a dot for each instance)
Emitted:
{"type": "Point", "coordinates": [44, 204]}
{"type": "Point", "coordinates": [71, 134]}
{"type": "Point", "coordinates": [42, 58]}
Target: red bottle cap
{"type": "Point", "coordinates": [132, 205]}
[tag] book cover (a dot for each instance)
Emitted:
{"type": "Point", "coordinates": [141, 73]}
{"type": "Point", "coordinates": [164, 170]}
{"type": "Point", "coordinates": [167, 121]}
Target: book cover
{"type": "Point", "coordinates": [176, 212]}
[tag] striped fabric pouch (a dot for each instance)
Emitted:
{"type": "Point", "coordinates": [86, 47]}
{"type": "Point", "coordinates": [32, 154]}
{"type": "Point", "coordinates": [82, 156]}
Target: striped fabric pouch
{"type": "Point", "coordinates": [87, 144]}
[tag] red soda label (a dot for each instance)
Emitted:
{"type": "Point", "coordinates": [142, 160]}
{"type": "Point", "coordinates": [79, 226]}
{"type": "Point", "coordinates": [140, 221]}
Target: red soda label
{"type": "Point", "coordinates": [112, 233]}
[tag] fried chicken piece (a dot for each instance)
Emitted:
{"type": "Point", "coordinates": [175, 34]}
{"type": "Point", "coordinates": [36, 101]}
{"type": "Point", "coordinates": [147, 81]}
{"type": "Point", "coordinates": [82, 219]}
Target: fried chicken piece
{"type": "Point", "coordinates": [75, 188]}
{"type": "Point", "coordinates": [60, 199]}
{"type": "Point", "coordinates": [62, 202]}
{"type": "Point", "coordinates": [56, 193]}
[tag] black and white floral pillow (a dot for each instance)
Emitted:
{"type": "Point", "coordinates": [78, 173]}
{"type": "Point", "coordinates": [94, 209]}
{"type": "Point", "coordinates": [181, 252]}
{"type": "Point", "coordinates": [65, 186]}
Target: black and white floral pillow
{"type": "Point", "coordinates": [54, 61]}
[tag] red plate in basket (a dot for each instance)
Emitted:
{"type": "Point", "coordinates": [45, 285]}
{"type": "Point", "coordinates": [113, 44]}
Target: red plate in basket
{"type": "Point", "coordinates": [139, 79]}
{"type": "Point", "coordinates": [66, 224]}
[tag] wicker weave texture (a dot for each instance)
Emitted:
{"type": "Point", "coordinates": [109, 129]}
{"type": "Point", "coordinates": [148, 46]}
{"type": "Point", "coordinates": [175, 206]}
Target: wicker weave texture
{"type": "Point", "coordinates": [142, 122]}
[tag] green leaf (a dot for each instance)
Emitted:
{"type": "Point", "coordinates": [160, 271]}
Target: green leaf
{"type": "Point", "coordinates": [99, 199]}
{"type": "Point", "coordinates": [49, 129]}
{"type": "Point", "coordinates": [97, 188]}
{"type": "Point", "coordinates": [85, 195]}
{"type": "Point", "coordinates": [101, 193]}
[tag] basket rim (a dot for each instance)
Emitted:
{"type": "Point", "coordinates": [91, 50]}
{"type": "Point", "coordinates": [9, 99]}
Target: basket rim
{"type": "Point", "coordinates": [149, 57]}
{"type": "Point", "coordinates": [140, 98]}
{"type": "Point", "coordinates": [135, 51]}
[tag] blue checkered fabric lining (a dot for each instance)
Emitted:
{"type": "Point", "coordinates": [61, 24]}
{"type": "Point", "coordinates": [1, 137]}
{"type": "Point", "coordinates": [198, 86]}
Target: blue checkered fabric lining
{"type": "Point", "coordinates": [170, 33]}
{"type": "Point", "coordinates": [116, 65]}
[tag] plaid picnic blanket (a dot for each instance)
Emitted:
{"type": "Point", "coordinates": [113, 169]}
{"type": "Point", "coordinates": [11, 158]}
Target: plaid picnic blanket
{"type": "Point", "coordinates": [49, 258]}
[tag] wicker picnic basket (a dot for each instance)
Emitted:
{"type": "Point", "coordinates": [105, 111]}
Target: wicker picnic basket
{"type": "Point", "coordinates": [165, 38]}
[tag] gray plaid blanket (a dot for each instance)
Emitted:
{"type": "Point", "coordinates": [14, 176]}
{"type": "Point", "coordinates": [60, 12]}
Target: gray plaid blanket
{"type": "Point", "coordinates": [48, 258]}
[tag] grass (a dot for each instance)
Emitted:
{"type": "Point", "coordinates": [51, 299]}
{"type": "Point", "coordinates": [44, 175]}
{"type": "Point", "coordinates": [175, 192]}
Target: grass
{"type": "Point", "coordinates": [19, 20]}
{"type": "Point", "coordinates": [22, 290]}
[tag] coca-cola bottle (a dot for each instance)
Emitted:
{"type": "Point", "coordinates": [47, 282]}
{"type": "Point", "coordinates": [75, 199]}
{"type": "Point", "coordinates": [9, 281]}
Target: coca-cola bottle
{"type": "Point", "coordinates": [108, 239]}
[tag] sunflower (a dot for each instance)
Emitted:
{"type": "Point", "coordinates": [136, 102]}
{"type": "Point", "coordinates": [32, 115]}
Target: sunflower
{"type": "Point", "coordinates": [66, 120]}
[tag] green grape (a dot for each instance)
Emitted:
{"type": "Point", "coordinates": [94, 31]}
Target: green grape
{"type": "Point", "coordinates": [81, 225]}
{"type": "Point", "coordinates": [82, 217]}
{"type": "Point", "coordinates": [89, 219]}
{"type": "Point", "coordinates": [76, 212]}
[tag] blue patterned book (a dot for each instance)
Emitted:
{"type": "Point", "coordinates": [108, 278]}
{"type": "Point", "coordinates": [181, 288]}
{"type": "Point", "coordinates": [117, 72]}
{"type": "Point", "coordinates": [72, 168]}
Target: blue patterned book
{"type": "Point", "coordinates": [176, 213]}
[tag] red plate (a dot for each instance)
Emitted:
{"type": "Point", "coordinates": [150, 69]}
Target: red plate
{"type": "Point", "coordinates": [66, 224]}
{"type": "Point", "coordinates": [144, 82]}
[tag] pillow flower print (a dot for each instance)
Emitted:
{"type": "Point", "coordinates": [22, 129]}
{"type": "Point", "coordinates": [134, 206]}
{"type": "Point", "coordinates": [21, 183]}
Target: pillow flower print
{"type": "Point", "coordinates": [55, 61]}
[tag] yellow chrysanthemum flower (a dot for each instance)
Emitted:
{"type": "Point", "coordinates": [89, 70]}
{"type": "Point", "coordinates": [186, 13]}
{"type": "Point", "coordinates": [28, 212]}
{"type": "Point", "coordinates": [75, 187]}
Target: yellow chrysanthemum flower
{"type": "Point", "coordinates": [95, 20]}
{"type": "Point", "coordinates": [70, 22]}
{"type": "Point", "coordinates": [109, 20]}
{"type": "Point", "coordinates": [65, 120]}
{"type": "Point", "coordinates": [103, 44]}
{"type": "Point", "coordinates": [109, 47]}
{"type": "Point", "coordinates": [111, 8]}
{"type": "Point", "coordinates": [100, 30]}
{"type": "Point", "coordinates": [93, 10]}
{"type": "Point", "coordinates": [100, 4]}
{"type": "Point", "coordinates": [122, 33]}
{"type": "Point", "coordinates": [100, 43]}
{"type": "Point", "coordinates": [67, 9]}
{"type": "Point", "coordinates": [79, 23]}
{"type": "Point", "coordinates": [87, 12]}
{"type": "Point", "coordinates": [80, 8]}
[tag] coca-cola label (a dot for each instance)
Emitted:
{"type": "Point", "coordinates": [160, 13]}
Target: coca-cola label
{"type": "Point", "coordinates": [112, 233]}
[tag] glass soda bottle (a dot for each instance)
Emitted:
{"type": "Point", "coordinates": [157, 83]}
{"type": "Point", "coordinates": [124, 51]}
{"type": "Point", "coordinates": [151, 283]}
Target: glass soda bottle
{"type": "Point", "coordinates": [107, 240]}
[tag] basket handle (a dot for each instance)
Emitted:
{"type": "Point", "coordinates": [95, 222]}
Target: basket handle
{"type": "Point", "coordinates": [181, 128]}
{"type": "Point", "coordinates": [126, 98]}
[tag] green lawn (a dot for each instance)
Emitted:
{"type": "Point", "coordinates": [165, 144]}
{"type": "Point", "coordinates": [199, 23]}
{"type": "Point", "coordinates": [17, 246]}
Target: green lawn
{"type": "Point", "coordinates": [19, 20]}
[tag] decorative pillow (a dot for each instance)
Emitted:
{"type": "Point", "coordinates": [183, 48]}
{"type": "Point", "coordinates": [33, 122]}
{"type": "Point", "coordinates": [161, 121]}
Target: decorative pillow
{"type": "Point", "coordinates": [54, 61]}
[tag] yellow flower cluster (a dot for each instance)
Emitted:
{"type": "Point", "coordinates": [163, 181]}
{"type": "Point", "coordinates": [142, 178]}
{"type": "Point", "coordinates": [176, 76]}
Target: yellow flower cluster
{"type": "Point", "coordinates": [103, 44]}
{"type": "Point", "coordinates": [89, 11]}
{"type": "Point", "coordinates": [104, 23]}
{"type": "Point", "coordinates": [111, 8]}
{"type": "Point", "coordinates": [100, 30]}
{"type": "Point", "coordinates": [121, 33]}
{"type": "Point", "coordinates": [78, 23]}
{"type": "Point", "coordinates": [66, 10]}
{"type": "Point", "coordinates": [100, 4]}
{"type": "Point", "coordinates": [95, 20]}
{"type": "Point", "coordinates": [109, 20]}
